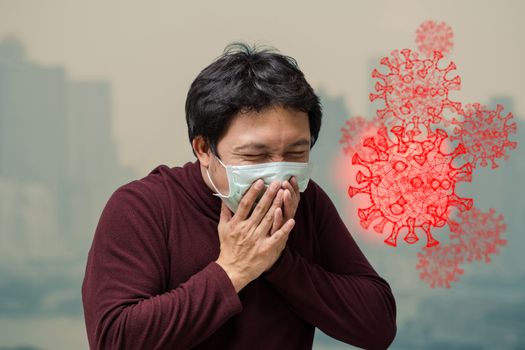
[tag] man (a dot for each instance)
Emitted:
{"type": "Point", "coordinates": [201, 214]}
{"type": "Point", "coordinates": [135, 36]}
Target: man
{"type": "Point", "coordinates": [203, 256]}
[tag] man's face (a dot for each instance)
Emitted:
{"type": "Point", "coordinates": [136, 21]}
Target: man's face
{"type": "Point", "coordinates": [273, 135]}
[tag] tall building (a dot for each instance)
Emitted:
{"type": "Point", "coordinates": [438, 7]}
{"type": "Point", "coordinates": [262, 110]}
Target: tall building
{"type": "Point", "coordinates": [58, 158]}
{"type": "Point", "coordinates": [33, 119]}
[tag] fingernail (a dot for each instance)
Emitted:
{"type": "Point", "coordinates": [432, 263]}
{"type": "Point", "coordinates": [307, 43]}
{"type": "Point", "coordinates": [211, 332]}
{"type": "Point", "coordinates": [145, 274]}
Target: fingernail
{"type": "Point", "coordinates": [258, 184]}
{"type": "Point", "coordinates": [275, 185]}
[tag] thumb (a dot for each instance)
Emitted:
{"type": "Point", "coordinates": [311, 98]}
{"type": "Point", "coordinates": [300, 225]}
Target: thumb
{"type": "Point", "coordinates": [226, 213]}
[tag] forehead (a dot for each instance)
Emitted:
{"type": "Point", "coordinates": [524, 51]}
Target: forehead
{"type": "Point", "coordinates": [273, 127]}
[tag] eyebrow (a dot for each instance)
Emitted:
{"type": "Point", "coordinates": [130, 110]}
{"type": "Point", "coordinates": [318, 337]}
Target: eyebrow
{"type": "Point", "coordinates": [262, 146]}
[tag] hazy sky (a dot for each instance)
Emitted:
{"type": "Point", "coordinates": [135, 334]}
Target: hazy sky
{"type": "Point", "coordinates": [151, 51]}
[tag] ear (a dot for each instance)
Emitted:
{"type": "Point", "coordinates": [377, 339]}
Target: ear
{"type": "Point", "coordinates": [202, 150]}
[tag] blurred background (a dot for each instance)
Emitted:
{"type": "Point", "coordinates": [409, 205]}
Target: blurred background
{"type": "Point", "coordinates": [92, 96]}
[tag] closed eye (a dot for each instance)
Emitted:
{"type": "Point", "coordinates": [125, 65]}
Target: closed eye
{"type": "Point", "coordinates": [264, 155]}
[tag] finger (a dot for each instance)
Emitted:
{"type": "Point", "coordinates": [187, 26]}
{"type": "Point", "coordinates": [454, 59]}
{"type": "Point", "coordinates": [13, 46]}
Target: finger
{"type": "Point", "coordinates": [287, 185]}
{"type": "Point", "coordinates": [268, 220]}
{"type": "Point", "coordinates": [283, 232]}
{"type": "Point", "coordinates": [295, 184]}
{"type": "Point", "coordinates": [288, 203]}
{"type": "Point", "coordinates": [226, 213]}
{"type": "Point", "coordinates": [264, 204]}
{"type": "Point", "coordinates": [278, 200]}
{"type": "Point", "coordinates": [277, 220]}
{"type": "Point", "coordinates": [277, 211]}
{"type": "Point", "coordinates": [247, 200]}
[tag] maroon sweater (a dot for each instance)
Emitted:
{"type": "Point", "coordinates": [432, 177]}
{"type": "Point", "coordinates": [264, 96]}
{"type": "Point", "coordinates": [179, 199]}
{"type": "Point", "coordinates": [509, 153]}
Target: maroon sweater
{"type": "Point", "coordinates": [151, 280]}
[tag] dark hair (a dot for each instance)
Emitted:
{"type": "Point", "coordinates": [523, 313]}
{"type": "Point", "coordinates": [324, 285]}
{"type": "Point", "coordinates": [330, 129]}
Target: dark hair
{"type": "Point", "coordinates": [243, 79]}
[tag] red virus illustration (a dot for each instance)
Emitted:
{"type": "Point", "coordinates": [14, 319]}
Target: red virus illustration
{"type": "Point", "coordinates": [439, 266]}
{"type": "Point", "coordinates": [478, 233]}
{"type": "Point", "coordinates": [433, 36]}
{"type": "Point", "coordinates": [484, 133]}
{"type": "Point", "coordinates": [415, 91]}
{"type": "Point", "coordinates": [475, 235]}
{"type": "Point", "coordinates": [353, 132]}
{"type": "Point", "coordinates": [411, 184]}
{"type": "Point", "coordinates": [409, 170]}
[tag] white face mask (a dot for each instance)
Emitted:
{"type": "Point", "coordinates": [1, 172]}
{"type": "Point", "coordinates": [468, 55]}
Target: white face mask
{"type": "Point", "coordinates": [241, 177]}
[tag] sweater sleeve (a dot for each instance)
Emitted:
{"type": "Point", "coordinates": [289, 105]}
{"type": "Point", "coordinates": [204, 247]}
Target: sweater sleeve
{"type": "Point", "coordinates": [124, 294]}
{"type": "Point", "coordinates": [343, 295]}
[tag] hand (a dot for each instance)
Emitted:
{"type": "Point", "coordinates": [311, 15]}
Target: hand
{"type": "Point", "coordinates": [247, 248]}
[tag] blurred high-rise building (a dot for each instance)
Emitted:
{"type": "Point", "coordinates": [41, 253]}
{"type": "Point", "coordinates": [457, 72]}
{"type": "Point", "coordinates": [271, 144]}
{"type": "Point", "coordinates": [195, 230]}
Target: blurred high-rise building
{"type": "Point", "coordinates": [58, 158]}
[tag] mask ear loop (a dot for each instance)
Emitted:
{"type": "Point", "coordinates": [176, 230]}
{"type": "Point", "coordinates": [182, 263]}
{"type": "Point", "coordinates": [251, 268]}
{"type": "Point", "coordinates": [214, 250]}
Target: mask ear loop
{"type": "Point", "coordinates": [218, 194]}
